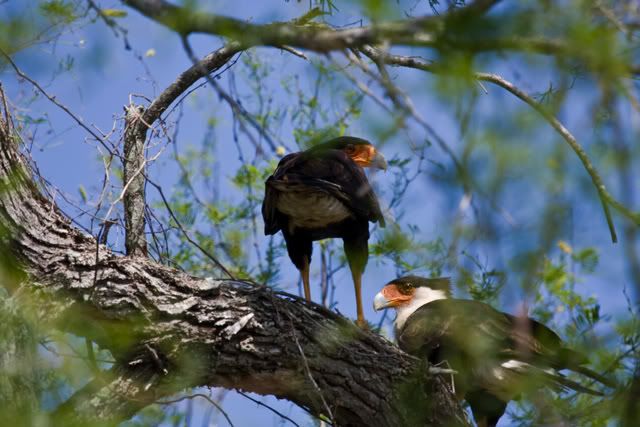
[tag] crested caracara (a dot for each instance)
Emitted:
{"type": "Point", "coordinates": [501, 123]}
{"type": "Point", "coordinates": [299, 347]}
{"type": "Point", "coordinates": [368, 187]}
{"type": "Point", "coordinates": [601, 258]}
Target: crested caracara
{"type": "Point", "coordinates": [496, 356]}
{"type": "Point", "coordinates": [320, 193]}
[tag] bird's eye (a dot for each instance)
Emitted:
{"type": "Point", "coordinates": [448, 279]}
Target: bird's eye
{"type": "Point", "coordinates": [349, 148]}
{"type": "Point", "coordinates": [404, 288]}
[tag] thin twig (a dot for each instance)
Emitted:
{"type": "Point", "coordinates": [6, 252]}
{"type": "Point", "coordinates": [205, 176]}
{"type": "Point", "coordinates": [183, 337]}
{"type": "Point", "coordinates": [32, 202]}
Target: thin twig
{"type": "Point", "coordinates": [184, 232]}
{"type": "Point", "coordinates": [54, 100]}
{"type": "Point", "coordinates": [236, 107]}
{"type": "Point", "coordinates": [605, 197]}
{"type": "Point", "coordinates": [295, 52]}
{"type": "Point", "coordinates": [91, 356]}
{"type": "Point", "coordinates": [281, 415]}
{"type": "Point", "coordinates": [204, 396]}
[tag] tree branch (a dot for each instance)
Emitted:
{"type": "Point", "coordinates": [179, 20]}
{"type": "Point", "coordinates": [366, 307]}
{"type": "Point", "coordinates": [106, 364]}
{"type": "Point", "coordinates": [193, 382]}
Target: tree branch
{"type": "Point", "coordinates": [606, 197]}
{"type": "Point", "coordinates": [454, 30]}
{"type": "Point", "coordinates": [438, 31]}
{"type": "Point", "coordinates": [134, 167]}
{"type": "Point", "coordinates": [168, 330]}
{"type": "Point", "coordinates": [210, 63]}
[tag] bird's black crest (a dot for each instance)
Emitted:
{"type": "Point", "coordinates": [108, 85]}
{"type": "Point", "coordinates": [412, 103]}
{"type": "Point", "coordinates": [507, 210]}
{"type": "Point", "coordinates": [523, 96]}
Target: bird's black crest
{"type": "Point", "coordinates": [340, 143]}
{"type": "Point", "coordinates": [405, 283]}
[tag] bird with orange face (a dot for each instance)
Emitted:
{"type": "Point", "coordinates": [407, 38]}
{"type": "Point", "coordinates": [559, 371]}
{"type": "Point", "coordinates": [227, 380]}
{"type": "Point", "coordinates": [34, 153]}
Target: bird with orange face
{"type": "Point", "coordinates": [496, 356]}
{"type": "Point", "coordinates": [323, 193]}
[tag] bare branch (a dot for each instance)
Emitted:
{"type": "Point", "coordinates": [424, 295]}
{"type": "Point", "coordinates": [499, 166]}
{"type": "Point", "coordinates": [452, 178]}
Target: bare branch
{"type": "Point", "coordinates": [185, 234]}
{"type": "Point", "coordinates": [210, 63]}
{"type": "Point", "coordinates": [280, 414]}
{"type": "Point", "coordinates": [53, 99]}
{"type": "Point", "coordinates": [134, 197]}
{"type": "Point", "coordinates": [203, 396]}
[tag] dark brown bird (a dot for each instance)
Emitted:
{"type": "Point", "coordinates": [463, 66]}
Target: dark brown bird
{"type": "Point", "coordinates": [321, 193]}
{"type": "Point", "coordinates": [496, 355]}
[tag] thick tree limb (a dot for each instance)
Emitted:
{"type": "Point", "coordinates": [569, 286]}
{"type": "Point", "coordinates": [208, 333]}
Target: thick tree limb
{"type": "Point", "coordinates": [169, 331]}
{"type": "Point", "coordinates": [440, 31]}
{"type": "Point", "coordinates": [454, 30]}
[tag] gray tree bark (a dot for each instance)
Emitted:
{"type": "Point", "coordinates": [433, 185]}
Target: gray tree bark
{"type": "Point", "coordinates": [134, 169]}
{"type": "Point", "coordinates": [169, 331]}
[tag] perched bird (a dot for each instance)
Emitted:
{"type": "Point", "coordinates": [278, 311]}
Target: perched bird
{"type": "Point", "coordinates": [496, 356]}
{"type": "Point", "coordinates": [320, 193]}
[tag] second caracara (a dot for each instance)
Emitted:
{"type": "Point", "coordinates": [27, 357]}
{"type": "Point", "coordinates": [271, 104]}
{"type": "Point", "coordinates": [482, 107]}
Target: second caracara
{"type": "Point", "coordinates": [497, 356]}
{"type": "Point", "coordinates": [321, 193]}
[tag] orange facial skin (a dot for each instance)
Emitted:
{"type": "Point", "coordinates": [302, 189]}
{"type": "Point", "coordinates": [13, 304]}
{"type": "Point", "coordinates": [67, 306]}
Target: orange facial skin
{"type": "Point", "coordinates": [395, 297]}
{"type": "Point", "coordinates": [363, 155]}
{"type": "Point", "coordinates": [366, 156]}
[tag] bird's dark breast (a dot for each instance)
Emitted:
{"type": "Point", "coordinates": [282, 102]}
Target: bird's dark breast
{"type": "Point", "coordinates": [312, 210]}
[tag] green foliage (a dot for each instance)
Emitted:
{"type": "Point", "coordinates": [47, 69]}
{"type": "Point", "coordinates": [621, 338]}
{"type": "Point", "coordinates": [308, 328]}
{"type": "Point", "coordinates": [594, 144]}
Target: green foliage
{"type": "Point", "coordinates": [481, 283]}
{"type": "Point", "coordinates": [58, 11]}
{"type": "Point", "coordinates": [575, 317]}
{"type": "Point", "coordinates": [151, 415]}
{"type": "Point", "coordinates": [114, 13]}
{"type": "Point", "coordinates": [22, 376]}
{"type": "Point", "coordinates": [407, 252]}
{"type": "Point", "coordinates": [377, 10]}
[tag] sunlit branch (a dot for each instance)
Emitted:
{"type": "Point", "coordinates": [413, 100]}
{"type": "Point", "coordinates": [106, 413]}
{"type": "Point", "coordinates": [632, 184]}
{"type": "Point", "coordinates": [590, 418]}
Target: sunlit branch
{"type": "Point", "coordinates": [210, 63]}
{"type": "Point", "coordinates": [301, 34]}
{"type": "Point", "coordinates": [443, 32]}
{"type": "Point", "coordinates": [429, 31]}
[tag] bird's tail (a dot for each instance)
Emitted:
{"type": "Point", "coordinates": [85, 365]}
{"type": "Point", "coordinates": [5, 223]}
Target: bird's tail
{"type": "Point", "coordinates": [555, 379]}
{"type": "Point", "coordinates": [575, 362]}
{"type": "Point", "coordinates": [595, 376]}
{"type": "Point", "coordinates": [565, 383]}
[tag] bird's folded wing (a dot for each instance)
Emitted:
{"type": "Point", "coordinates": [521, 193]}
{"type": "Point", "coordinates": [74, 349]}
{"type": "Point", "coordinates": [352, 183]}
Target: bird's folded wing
{"type": "Point", "coordinates": [334, 173]}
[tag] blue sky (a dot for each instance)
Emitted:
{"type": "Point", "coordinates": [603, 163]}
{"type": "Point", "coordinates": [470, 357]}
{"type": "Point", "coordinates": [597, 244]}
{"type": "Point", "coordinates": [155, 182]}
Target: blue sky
{"type": "Point", "coordinates": [106, 74]}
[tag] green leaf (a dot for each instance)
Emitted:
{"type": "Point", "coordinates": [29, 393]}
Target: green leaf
{"type": "Point", "coordinates": [114, 13]}
{"type": "Point", "coordinates": [83, 193]}
{"type": "Point", "coordinates": [588, 259]}
{"type": "Point", "coordinates": [58, 10]}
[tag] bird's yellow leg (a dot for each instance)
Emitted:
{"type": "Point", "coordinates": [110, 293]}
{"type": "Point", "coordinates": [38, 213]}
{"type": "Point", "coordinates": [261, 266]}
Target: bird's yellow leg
{"type": "Point", "coordinates": [305, 279]}
{"type": "Point", "coordinates": [357, 284]}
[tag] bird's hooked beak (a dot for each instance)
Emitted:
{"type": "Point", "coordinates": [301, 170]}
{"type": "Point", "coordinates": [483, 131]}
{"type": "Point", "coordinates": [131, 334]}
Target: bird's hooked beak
{"type": "Point", "coordinates": [390, 296]}
{"type": "Point", "coordinates": [379, 161]}
{"type": "Point", "coordinates": [368, 157]}
{"type": "Point", "coordinates": [380, 302]}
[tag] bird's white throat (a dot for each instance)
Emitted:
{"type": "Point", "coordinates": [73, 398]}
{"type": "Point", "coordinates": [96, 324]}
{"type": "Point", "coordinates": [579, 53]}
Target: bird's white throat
{"type": "Point", "coordinates": [422, 296]}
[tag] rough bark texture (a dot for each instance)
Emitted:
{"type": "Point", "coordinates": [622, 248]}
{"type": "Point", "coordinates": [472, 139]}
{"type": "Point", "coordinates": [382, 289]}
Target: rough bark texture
{"type": "Point", "coordinates": [168, 330]}
{"type": "Point", "coordinates": [134, 179]}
